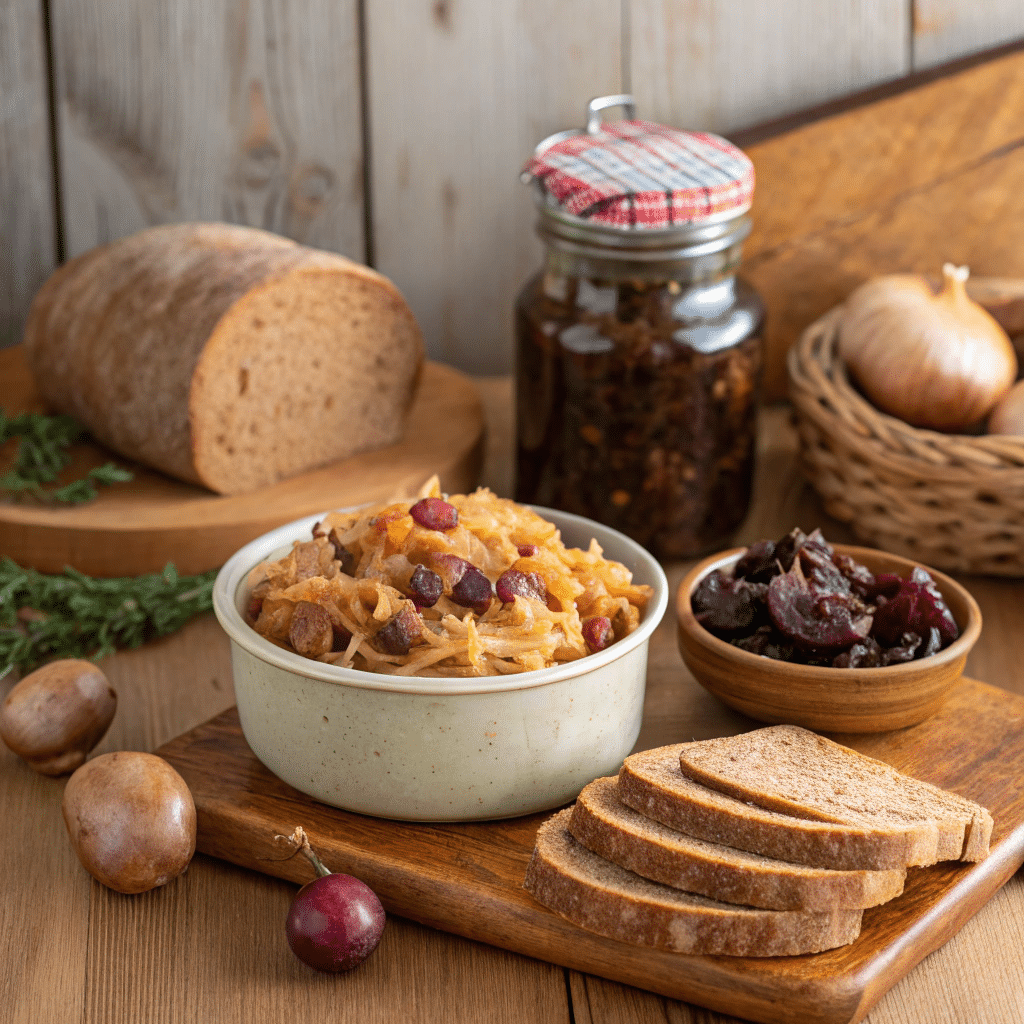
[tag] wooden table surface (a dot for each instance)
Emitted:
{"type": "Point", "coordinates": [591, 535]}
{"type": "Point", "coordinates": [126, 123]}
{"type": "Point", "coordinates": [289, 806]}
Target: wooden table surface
{"type": "Point", "coordinates": [210, 946]}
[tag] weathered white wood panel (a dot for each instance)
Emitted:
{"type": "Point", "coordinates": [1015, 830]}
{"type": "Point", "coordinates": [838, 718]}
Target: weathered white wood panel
{"type": "Point", "coordinates": [26, 181]}
{"type": "Point", "coordinates": [947, 29]}
{"type": "Point", "coordinates": [459, 94]}
{"type": "Point", "coordinates": [728, 64]}
{"type": "Point", "coordinates": [242, 111]}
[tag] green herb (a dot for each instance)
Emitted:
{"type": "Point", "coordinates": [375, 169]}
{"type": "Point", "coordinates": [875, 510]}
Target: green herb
{"type": "Point", "coordinates": [75, 616]}
{"type": "Point", "coordinates": [43, 452]}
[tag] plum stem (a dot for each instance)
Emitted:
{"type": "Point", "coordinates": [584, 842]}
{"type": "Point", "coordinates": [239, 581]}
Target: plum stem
{"type": "Point", "coordinates": [301, 840]}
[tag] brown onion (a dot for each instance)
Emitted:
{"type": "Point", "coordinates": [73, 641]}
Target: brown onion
{"type": "Point", "coordinates": [933, 360]}
{"type": "Point", "coordinates": [1008, 416]}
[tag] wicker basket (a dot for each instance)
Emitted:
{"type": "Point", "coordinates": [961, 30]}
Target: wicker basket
{"type": "Point", "coordinates": [955, 502]}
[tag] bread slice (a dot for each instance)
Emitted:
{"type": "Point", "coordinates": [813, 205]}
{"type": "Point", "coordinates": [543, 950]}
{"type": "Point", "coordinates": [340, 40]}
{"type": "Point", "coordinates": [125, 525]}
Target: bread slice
{"type": "Point", "coordinates": [652, 783]}
{"type": "Point", "coordinates": [794, 771]}
{"type": "Point", "coordinates": [223, 355]}
{"type": "Point", "coordinates": [607, 827]}
{"type": "Point", "coordinates": [602, 897]}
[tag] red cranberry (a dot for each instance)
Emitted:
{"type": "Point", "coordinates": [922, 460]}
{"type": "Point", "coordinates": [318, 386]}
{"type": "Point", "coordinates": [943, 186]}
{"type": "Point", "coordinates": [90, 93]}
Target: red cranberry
{"type": "Point", "coordinates": [512, 583]}
{"type": "Point", "coordinates": [435, 514]}
{"type": "Point", "coordinates": [528, 550]}
{"type": "Point", "coordinates": [425, 587]}
{"type": "Point", "coordinates": [473, 590]}
{"type": "Point", "coordinates": [598, 632]}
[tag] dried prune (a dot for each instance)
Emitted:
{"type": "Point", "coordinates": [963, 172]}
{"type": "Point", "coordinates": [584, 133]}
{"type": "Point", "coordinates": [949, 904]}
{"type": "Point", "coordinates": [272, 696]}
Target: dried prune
{"type": "Point", "coordinates": [398, 633]}
{"type": "Point", "coordinates": [787, 547]}
{"type": "Point", "coordinates": [815, 620]}
{"type": "Point", "coordinates": [597, 632]}
{"type": "Point", "coordinates": [473, 590]}
{"type": "Point", "coordinates": [768, 642]}
{"type": "Point", "coordinates": [435, 514]}
{"type": "Point", "coordinates": [815, 556]}
{"type": "Point", "coordinates": [758, 564]}
{"type": "Point", "coordinates": [863, 654]}
{"type": "Point", "coordinates": [512, 583]}
{"type": "Point", "coordinates": [822, 607]}
{"type": "Point", "coordinates": [425, 587]}
{"type": "Point", "coordinates": [905, 650]}
{"type": "Point", "coordinates": [916, 608]}
{"type": "Point", "coordinates": [729, 607]}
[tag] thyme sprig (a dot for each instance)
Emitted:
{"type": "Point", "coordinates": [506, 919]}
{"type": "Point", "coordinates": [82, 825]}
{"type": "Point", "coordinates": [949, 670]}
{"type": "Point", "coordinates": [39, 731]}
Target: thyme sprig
{"type": "Point", "coordinates": [44, 444]}
{"type": "Point", "coordinates": [72, 615]}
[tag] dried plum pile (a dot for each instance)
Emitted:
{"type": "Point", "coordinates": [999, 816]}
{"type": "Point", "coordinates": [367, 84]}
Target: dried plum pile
{"type": "Point", "coordinates": [797, 599]}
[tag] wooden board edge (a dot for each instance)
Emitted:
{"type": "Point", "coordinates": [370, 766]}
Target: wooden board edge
{"type": "Point", "coordinates": [524, 927]}
{"type": "Point", "coordinates": [775, 127]}
{"type": "Point", "coordinates": [941, 922]}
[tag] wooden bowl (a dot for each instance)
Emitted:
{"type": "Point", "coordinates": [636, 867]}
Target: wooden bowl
{"type": "Point", "coordinates": [824, 698]}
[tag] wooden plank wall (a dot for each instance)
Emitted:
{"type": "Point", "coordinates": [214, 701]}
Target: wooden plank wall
{"type": "Point", "coordinates": [393, 130]}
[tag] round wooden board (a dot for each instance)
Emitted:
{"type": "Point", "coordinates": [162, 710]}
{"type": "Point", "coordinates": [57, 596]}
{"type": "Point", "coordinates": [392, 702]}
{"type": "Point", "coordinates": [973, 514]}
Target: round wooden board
{"type": "Point", "coordinates": [140, 526]}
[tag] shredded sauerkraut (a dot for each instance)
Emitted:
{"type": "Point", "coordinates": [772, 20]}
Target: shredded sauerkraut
{"type": "Point", "coordinates": [348, 596]}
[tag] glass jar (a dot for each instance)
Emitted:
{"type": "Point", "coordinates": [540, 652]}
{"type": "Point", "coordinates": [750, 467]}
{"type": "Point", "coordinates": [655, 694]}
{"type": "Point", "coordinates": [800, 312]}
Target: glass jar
{"type": "Point", "coordinates": [638, 369]}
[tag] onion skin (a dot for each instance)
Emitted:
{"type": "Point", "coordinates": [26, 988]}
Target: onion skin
{"type": "Point", "coordinates": [935, 361]}
{"type": "Point", "coordinates": [1008, 416]}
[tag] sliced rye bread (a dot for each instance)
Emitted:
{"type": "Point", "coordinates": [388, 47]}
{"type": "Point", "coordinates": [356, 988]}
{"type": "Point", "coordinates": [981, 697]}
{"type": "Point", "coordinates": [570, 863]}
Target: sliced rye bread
{"type": "Point", "coordinates": [607, 827]}
{"type": "Point", "coordinates": [652, 783]}
{"type": "Point", "coordinates": [224, 355]}
{"type": "Point", "coordinates": [791, 770]}
{"type": "Point", "coordinates": [601, 897]}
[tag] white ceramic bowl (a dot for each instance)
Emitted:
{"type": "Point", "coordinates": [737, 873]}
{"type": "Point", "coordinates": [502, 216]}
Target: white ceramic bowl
{"type": "Point", "coordinates": [423, 749]}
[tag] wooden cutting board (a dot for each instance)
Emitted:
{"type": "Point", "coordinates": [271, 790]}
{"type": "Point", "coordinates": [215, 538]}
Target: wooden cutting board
{"type": "Point", "coordinates": [467, 878]}
{"type": "Point", "coordinates": [140, 526]}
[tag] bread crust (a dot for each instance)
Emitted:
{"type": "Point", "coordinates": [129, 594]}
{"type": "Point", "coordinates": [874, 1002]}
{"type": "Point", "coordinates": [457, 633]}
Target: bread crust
{"type": "Point", "coordinates": [123, 338]}
{"type": "Point", "coordinates": [609, 828]}
{"type": "Point", "coordinates": [794, 771]}
{"type": "Point", "coordinates": [604, 898]}
{"type": "Point", "coordinates": [652, 783]}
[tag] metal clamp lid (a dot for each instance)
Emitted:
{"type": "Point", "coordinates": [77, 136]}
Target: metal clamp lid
{"type": "Point", "coordinates": [595, 106]}
{"type": "Point", "coordinates": [634, 174]}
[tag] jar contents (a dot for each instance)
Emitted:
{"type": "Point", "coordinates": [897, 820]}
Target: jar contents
{"type": "Point", "coordinates": [636, 404]}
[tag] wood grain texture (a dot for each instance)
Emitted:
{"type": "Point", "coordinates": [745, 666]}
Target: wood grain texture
{"type": "Point", "coordinates": [229, 965]}
{"type": "Point", "coordinates": [945, 29]}
{"type": "Point", "coordinates": [459, 96]}
{"type": "Point", "coordinates": [243, 112]}
{"type": "Point", "coordinates": [27, 233]}
{"type": "Point", "coordinates": [875, 195]}
{"type": "Point", "coordinates": [140, 526]}
{"type": "Point", "coordinates": [712, 66]}
{"type": "Point", "coordinates": [468, 878]}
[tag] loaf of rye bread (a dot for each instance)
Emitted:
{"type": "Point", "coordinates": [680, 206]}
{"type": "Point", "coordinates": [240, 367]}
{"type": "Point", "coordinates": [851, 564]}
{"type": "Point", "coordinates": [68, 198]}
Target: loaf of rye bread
{"type": "Point", "coordinates": [604, 898]}
{"type": "Point", "coordinates": [225, 356]}
{"type": "Point", "coordinates": [607, 827]}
